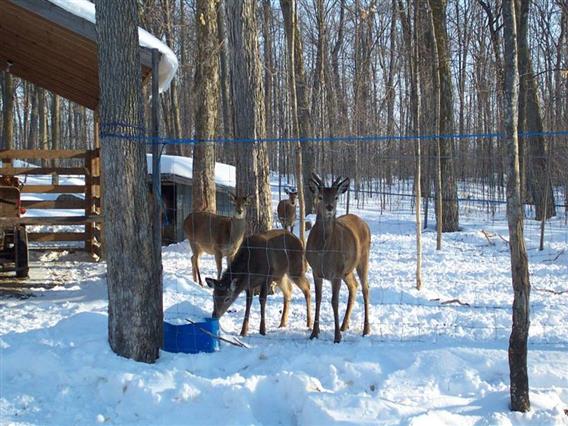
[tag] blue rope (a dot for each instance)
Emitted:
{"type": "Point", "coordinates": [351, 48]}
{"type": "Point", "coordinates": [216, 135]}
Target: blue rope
{"type": "Point", "coordinates": [367, 138]}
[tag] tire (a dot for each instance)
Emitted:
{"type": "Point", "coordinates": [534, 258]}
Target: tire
{"type": "Point", "coordinates": [22, 255]}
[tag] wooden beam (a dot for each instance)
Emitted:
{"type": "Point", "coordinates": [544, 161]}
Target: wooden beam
{"type": "Point", "coordinates": [56, 236]}
{"type": "Point", "coordinates": [55, 189]}
{"type": "Point", "coordinates": [12, 171]}
{"type": "Point", "coordinates": [36, 154]}
{"type": "Point", "coordinates": [50, 220]}
{"type": "Point", "coordinates": [55, 204]}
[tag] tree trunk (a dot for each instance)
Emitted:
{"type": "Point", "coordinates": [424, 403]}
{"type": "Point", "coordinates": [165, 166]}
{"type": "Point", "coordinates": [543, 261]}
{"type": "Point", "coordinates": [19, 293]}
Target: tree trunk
{"type": "Point", "coordinates": [248, 112]}
{"type": "Point", "coordinates": [224, 69]}
{"type": "Point", "coordinates": [519, 263]}
{"type": "Point", "coordinates": [8, 113]}
{"type": "Point", "coordinates": [302, 100]}
{"type": "Point", "coordinates": [55, 133]}
{"type": "Point", "coordinates": [530, 120]}
{"type": "Point", "coordinates": [450, 211]}
{"type": "Point", "coordinates": [268, 66]}
{"type": "Point", "coordinates": [173, 91]}
{"type": "Point", "coordinates": [207, 107]}
{"type": "Point", "coordinates": [134, 274]}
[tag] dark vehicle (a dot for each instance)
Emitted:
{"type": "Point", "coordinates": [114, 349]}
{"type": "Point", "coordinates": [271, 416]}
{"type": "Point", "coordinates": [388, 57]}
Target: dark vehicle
{"type": "Point", "coordinates": [13, 237]}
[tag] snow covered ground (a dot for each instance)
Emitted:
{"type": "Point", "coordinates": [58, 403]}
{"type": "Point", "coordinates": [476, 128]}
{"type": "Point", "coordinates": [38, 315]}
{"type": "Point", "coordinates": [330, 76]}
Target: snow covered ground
{"type": "Point", "coordinates": [426, 362]}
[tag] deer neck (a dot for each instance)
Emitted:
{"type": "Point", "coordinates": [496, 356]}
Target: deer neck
{"type": "Point", "coordinates": [238, 226]}
{"type": "Point", "coordinates": [327, 225]}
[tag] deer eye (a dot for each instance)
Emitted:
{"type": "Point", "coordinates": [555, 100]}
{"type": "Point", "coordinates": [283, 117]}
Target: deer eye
{"type": "Point", "coordinates": [320, 197]}
{"type": "Point", "coordinates": [336, 197]}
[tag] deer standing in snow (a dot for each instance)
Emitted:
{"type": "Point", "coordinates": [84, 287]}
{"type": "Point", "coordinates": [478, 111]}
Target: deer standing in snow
{"type": "Point", "coordinates": [287, 210]}
{"type": "Point", "coordinates": [275, 255]}
{"type": "Point", "coordinates": [335, 248]}
{"type": "Point", "coordinates": [215, 234]}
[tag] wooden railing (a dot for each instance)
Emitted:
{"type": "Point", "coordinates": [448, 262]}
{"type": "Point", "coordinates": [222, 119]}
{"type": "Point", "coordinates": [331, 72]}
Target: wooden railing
{"type": "Point", "coordinates": [91, 189]}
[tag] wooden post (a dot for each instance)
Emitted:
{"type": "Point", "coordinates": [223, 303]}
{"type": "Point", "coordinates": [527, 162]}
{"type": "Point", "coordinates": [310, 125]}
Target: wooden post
{"type": "Point", "coordinates": [156, 173]}
{"type": "Point", "coordinates": [98, 190]}
{"type": "Point", "coordinates": [89, 226]}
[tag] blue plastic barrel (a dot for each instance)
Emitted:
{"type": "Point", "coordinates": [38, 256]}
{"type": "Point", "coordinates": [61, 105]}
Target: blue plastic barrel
{"type": "Point", "coordinates": [190, 339]}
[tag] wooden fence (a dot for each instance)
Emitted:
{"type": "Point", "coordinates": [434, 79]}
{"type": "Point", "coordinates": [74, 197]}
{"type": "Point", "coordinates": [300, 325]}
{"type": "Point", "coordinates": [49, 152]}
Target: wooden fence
{"type": "Point", "coordinates": [89, 169]}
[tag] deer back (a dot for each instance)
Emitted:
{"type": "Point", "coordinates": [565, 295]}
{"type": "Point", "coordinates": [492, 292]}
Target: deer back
{"type": "Point", "coordinates": [211, 231]}
{"type": "Point", "coordinates": [270, 254]}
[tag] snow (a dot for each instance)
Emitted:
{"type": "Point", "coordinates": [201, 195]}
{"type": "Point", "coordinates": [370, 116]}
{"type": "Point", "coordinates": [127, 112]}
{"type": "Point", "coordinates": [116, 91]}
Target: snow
{"type": "Point", "coordinates": [183, 167]}
{"type": "Point", "coordinates": [424, 363]}
{"type": "Point", "coordinates": [168, 61]}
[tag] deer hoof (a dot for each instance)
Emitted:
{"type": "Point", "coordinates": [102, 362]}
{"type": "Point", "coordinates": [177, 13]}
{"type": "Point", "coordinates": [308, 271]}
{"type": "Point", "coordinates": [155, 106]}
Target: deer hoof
{"type": "Point", "coordinates": [243, 333]}
{"type": "Point", "coordinates": [366, 330]}
{"type": "Point", "coordinates": [345, 326]}
{"type": "Point", "coordinates": [337, 338]}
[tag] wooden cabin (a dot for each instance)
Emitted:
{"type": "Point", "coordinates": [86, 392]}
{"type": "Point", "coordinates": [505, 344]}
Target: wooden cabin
{"type": "Point", "coordinates": [176, 187]}
{"type": "Point", "coordinates": [52, 44]}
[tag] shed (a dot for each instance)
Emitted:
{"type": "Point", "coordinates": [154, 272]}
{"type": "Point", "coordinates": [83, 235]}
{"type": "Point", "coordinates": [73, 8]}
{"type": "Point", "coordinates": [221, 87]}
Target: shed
{"type": "Point", "coordinates": [53, 44]}
{"type": "Point", "coordinates": [176, 185]}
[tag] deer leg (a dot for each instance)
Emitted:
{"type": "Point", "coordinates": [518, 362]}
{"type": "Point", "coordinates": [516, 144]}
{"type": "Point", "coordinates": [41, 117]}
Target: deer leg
{"type": "Point", "coordinates": [304, 285]}
{"type": "Point", "coordinates": [195, 252]}
{"type": "Point", "coordinates": [335, 286]}
{"type": "Point", "coordinates": [316, 329]}
{"type": "Point", "coordinates": [286, 288]}
{"type": "Point", "coordinates": [352, 287]}
{"type": "Point", "coordinates": [244, 329]}
{"type": "Point", "coordinates": [362, 271]}
{"type": "Point", "coordinates": [219, 263]}
{"type": "Point", "coordinates": [195, 268]}
{"type": "Point", "coordinates": [262, 297]}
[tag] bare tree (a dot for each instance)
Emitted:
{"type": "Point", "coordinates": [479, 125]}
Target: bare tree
{"type": "Point", "coordinates": [207, 107]}
{"type": "Point", "coordinates": [450, 212]}
{"type": "Point", "coordinates": [248, 112]}
{"type": "Point", "coordinates": [530, 120]}
{"type": "Point", "coordinates": [519, 262]}
{"type": "Point", "coordinates": [134, 274]}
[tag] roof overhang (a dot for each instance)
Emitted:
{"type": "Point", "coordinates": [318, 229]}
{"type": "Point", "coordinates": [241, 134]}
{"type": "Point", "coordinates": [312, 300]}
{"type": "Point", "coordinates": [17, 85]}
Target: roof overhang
{"type": "Point", "coordinates": [54, 49]}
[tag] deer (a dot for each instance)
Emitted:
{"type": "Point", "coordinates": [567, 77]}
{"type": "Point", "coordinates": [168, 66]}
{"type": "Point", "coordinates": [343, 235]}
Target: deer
{"type": "Point", "coordinates": [287, 210]}
{"type": "Point", "coordinates": [335, 248]}
{"type": "Point", "coordinates": [275, 255]}
{"type": "Point", "coordinates": [215, 234]}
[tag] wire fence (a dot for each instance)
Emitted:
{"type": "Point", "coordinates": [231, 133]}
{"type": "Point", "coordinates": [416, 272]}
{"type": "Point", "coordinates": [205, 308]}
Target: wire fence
{"type": "Point", "coordinates": [467, 294]}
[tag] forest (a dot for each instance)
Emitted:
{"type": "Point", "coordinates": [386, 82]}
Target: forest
{"type": "Point", "coordinates": [367, 76]}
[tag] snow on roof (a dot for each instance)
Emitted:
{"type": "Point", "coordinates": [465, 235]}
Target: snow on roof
{"type": "Point", "coordinates": [183, 167]}
{"type": "Point", "coordinates": [168, 61]}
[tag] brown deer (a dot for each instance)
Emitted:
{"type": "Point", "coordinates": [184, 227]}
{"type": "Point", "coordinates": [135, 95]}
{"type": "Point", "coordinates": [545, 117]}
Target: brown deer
{"type": "Point", "coordinates": [217, 235]}
{"type": "Point", "coordinates": [287, 210]}
{"type": "Point", "coordinates": [275, 255]}
{"type": "Point", "coordinates": [335, 248]}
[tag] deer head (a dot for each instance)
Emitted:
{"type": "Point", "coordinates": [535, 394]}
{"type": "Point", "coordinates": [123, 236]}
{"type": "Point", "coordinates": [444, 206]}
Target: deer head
{"type": "Point", "coordinates": [224, 293]}
{"type": "Point", "coordinates": [327, 196]}
{"type": "Point", "coordinates": [292, 194]}
{"type": "Point", "coordinates": [241, 203]}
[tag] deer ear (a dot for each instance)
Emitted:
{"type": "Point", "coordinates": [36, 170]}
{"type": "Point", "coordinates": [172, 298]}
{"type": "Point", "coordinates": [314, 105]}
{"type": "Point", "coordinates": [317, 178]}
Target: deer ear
{"type": "Point", "coordinates": [233, 285]}
{"type": "Point", "coordinates": [343, 185]}
{"type": "Point", "coordinates": [286, 190]}
{"type": "Point", "coordinates": [211, 282]}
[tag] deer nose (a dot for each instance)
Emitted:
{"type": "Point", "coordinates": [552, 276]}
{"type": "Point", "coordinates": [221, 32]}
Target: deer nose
{"type": "Point", "coordinates": [329, 207]}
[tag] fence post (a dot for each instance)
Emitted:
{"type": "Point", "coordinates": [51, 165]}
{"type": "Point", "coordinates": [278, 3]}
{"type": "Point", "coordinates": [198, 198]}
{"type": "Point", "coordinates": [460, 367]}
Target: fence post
{"type": "Point", "coordinates": [89, 201]}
